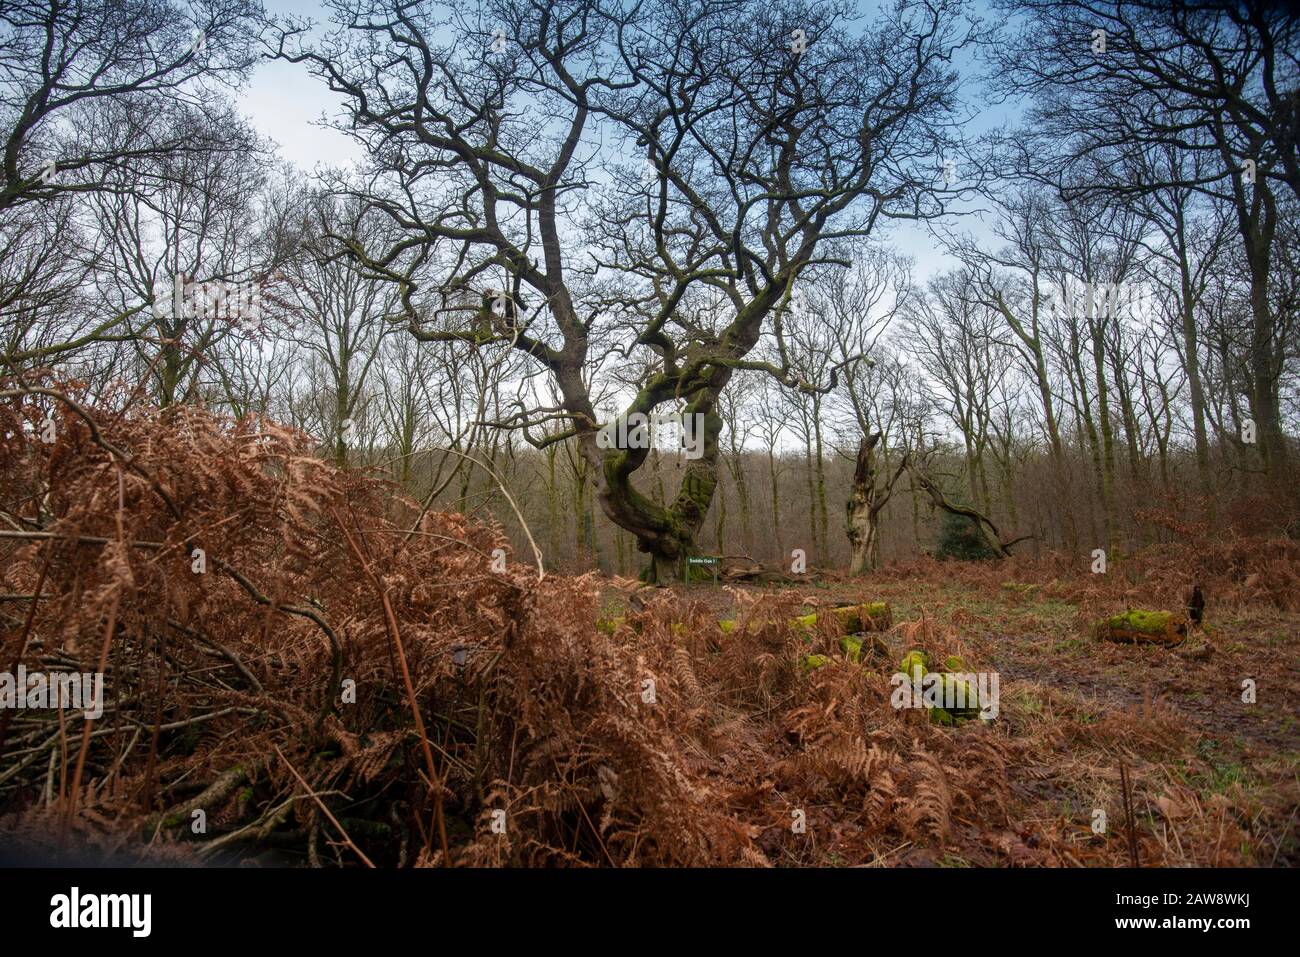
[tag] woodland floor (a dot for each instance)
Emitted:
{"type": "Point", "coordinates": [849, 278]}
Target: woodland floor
{"type": "Point", "coordinates": [1196, 752]}
{"type": "Point", "coordinates": [351, 680]}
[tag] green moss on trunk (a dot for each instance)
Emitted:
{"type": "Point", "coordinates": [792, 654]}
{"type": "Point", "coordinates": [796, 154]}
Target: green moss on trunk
{"type": "Point", "coordinates": [1141, 626]}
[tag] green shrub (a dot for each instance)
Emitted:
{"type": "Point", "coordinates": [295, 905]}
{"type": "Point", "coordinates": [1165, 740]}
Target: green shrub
{"type": "Point", "coordinates": [960, 537]}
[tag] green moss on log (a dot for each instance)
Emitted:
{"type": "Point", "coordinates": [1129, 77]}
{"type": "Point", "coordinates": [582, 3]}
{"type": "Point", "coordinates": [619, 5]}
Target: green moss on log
{"type": "Point", "coordinates": [868, 616]}
{"type": "Point", "coordinates": [851, 619]}
{"type": "Point", "coordinates": [1142, 626]}
{"type": "Point", "coordinates": [804, 622]}
{"type": "Point", "coordinates": [963, 694]}
{"type": "Point", "coordinates": [959, 701]}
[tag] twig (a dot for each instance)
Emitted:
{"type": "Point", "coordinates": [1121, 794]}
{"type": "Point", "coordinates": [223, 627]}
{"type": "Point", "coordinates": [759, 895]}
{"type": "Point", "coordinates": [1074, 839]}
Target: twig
{"type": "Point", "coordinates": [321, 804]}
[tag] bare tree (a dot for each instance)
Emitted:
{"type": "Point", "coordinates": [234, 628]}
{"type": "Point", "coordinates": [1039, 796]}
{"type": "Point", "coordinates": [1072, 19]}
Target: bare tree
{"type": "Point", "coordinates": [186, 245]}
{"type": "Point", "coordinates": [1113, 79]}
{"type": "Point", "coordinates": [758, 148]}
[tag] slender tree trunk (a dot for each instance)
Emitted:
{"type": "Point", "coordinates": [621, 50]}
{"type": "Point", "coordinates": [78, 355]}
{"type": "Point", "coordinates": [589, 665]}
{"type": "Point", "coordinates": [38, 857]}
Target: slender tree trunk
{"type": "Point", "coordinates": [720, 524]}
{"type": "Point", "coordinates": [810, 480]}
{"type": "Point", "coordinates": [1192, 367]}
{"type": "Point", "coordinates": [742, 493]}
{"type": "Point", "coordinates": [552, 497]}
{"type": "Point", "coordinates": [776, 502]}
{"type": "Point", "coordinates": [1009, 492]}
{"type": "Point", "coordinates": [821, 482]}
{"type": "Point", "coordinates": [1107, 437]}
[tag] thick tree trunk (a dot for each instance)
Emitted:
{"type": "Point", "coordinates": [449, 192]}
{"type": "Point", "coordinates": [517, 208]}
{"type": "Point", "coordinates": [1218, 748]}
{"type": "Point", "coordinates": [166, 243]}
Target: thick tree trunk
{"type": "Point", "coordinates": [666, 533]}
{"type": "Point", "coordinates": [863, 531]}
{"type": "Point", "coordinates": [865, 504]}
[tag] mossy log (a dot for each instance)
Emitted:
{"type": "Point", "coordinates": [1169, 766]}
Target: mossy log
{"type": "Point", "coordinates": [849, 619]}
{"type": "Point", "coordinates": [958, 696]}
{"type": "Point", "coordinates": [852, 619]}
{"type": "Point", "coordinates": [868, 616]}
{"type": "Point", "coordinates": [855, 645]}
{"type": "Point", "coordinates": [915, 664]}
{"type": "Point", "coordinates": [960, 700]}
{"type": "Point", "coordinates": [1137, 626]}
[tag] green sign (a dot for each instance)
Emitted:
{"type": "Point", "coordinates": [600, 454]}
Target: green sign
{"type": "Point", "coordinates": [713, 561]}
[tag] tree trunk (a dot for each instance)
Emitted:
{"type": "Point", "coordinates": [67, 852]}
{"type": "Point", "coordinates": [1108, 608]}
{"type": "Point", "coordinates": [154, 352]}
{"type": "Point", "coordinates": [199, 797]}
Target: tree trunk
{"type": "Point", "coordinates": [821, 483]}
{"type": "Point", "coordinates": [863, 531]}
{"type": "Point", "coordinates": [776, 501]}
{"type": "Point", "coordinates": [666, 533]}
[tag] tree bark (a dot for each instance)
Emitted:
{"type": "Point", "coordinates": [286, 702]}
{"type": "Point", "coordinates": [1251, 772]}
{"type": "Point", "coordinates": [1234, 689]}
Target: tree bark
{"type": "Point", "coordinates": [864, 506]}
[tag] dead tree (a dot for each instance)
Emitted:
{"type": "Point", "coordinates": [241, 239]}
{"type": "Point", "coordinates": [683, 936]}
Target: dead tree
{"type": "Point", "coordinates": [865, 503]}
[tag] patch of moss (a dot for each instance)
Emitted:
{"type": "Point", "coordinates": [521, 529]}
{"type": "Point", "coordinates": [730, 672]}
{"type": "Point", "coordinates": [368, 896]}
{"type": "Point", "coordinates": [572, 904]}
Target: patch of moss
{"type": "Point", "coordinates": [1023, 588]}
{"type": "Point", "coordinates": [813, 662]}
{"type": "Point", "coordinates": [1142, 620]}
{"type": "Point", "coordinates": [915, 664]}
{"type": "Point", "coordinates": [806, 622]}
{"type": "Point", "coordinates": [967, 705]}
